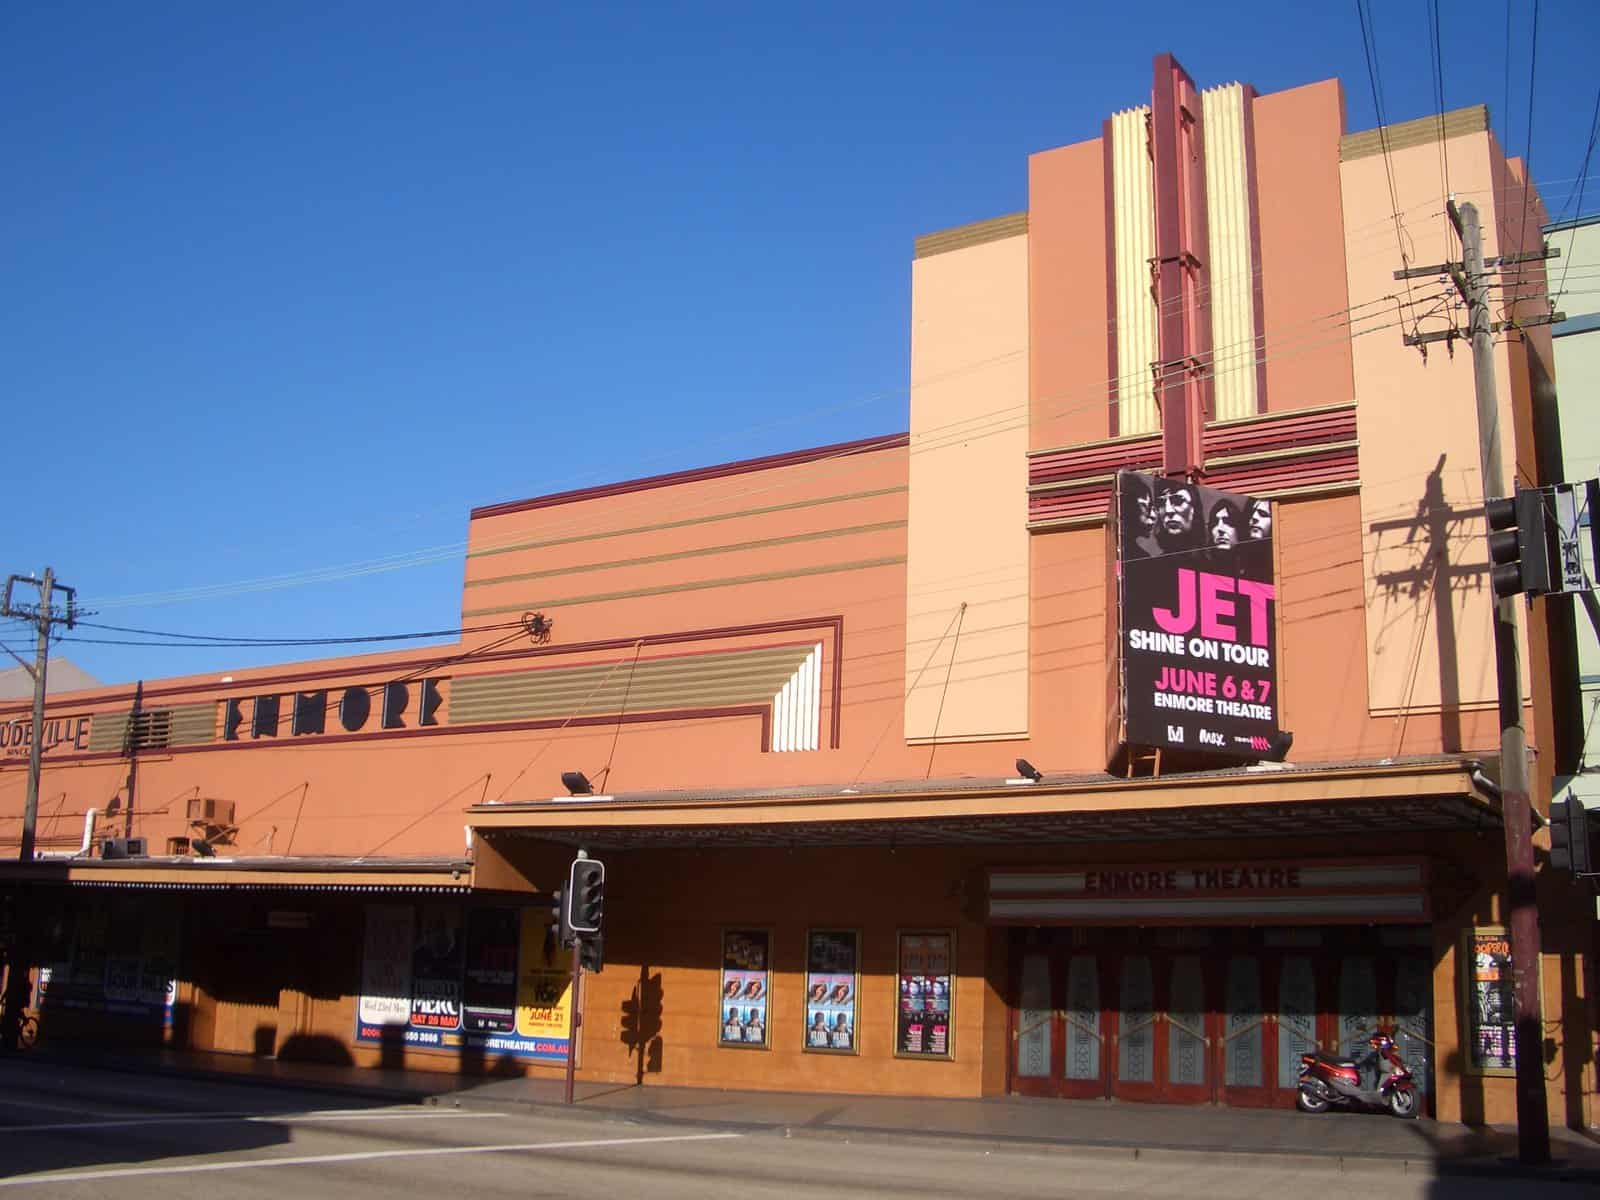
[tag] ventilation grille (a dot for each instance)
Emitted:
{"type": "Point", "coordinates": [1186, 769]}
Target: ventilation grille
{"type": "Point", "coordinates": [751, 676]}
{"type": "Point", "coordinates": [153, 728]}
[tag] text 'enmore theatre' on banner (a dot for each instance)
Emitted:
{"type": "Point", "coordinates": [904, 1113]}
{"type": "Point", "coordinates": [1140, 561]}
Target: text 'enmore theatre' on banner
{"type": "Point", "coordinates": [1197, 627]}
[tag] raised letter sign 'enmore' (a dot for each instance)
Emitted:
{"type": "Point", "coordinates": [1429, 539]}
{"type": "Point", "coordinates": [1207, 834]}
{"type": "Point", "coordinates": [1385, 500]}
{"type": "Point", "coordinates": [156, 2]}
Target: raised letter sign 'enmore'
{"type": "Point", "coordinates": [1197, 625]}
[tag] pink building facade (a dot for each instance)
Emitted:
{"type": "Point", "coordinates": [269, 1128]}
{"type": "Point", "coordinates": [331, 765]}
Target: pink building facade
{"type": "Point", "coordinates": [856, 722]}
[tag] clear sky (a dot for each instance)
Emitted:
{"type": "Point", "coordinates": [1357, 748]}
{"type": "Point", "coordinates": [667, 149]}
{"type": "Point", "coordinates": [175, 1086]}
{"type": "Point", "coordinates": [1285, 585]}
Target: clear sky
{"type": "Point", "coordinates": [288, 289]}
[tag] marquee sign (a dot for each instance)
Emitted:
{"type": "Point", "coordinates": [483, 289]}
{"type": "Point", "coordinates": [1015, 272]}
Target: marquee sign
{"type": "Point", "coordinates": [1253, 892]}
{"type": "Point", "coordinates": [1197, 619]}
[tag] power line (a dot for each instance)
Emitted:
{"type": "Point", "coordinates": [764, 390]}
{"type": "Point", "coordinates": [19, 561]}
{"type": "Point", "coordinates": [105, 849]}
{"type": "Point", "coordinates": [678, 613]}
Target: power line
{"type": "Point", "coordinates": [1242, 356]}
{"type": "Point", "coordinates": [204, 640]}
{"type": "Point", "coordinates": [1527, 151]}
{"type": "Point", "coordinates": [1436, 48]}
{"type": "Point", "coordinates": [1369, 48]}
{"type": "Point", "coordinates": [1505, 109]}
{"type": "Point", "coordinates": [1594, 130]}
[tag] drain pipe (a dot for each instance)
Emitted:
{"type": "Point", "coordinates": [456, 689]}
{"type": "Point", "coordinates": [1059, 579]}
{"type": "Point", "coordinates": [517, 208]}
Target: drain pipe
{"type": "Point", "coordinates": [89, 819]}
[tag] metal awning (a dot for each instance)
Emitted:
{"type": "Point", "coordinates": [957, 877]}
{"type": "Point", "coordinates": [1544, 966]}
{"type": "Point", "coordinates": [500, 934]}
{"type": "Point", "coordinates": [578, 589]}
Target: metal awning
{"type": "Point", "coordinates": [1268, 800]}
{"type": "Point", "coordinates": [277, 873]}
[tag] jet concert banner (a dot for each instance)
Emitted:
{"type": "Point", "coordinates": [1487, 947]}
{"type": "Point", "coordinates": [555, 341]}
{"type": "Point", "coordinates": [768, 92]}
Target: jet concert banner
{"type": "Point", "coordinates": [1198, 637]}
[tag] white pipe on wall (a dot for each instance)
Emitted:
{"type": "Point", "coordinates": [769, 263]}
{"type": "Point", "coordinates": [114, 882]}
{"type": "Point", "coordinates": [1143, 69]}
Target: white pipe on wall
{"type": "Point", "coordinates": [89, 819]}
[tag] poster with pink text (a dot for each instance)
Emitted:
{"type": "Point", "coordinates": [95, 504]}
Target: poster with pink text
{"type": "Point", "coordinates": [1198, 619]}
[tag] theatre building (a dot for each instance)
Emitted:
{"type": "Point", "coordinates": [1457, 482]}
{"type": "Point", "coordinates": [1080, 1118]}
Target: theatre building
{"type": "Point", "coordinates": [1123, 729]}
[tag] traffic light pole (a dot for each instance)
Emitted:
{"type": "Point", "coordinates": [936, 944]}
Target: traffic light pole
{"type": "Point", "coordinates": [580, 908]}
{"type": "Point", "coordinates": [574, 1017]}
{"type": "Point", "coordinates": [1516, 810]}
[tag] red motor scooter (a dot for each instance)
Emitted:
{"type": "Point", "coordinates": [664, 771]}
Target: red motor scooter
{"type": "Point", "coordinates": [1327, 1081]}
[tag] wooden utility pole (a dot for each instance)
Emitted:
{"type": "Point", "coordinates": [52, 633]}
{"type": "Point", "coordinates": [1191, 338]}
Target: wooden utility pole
{"type": "Point", "coordinates": [19, 969]}
{"type": "Point", "coordinates": [1516, 808]}
{"type": "Point", "coordinates": [42, 618]}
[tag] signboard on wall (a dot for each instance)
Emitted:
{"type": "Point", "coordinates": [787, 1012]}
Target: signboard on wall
{"type": "Point", "coordinates": [437, 976]}
{"type": "Point", "coordinates": [832, 987]}
{"type": "Point", "coordinates": [1197, 619]}
{"type": "Point", "coordinates": [924, 969]}
{"type": "Point", "coordinates": [1491, 1033]}
{"type": "Point", "coordinates": [119, 960]}
{"type": "Point", "coordinates": [746, 981]}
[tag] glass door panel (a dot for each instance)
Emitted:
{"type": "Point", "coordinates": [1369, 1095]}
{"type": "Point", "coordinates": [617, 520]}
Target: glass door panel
{"type": "Point", "coordinates": [1035, 1017]}
{"type": "Point", "coordinates": [1297, 1016]}
{"type": "Point", "coordinates": [1413, 1035]}
{"type": "Point", "coordinates": [1136, 1028]}
{"type": "Point", "coordinates": [1083, 1019]}
{"type": "Point", "coordinates": [1358, 1006]}
{"type": "Point", "coordinates": [1245, 1042]}
{"type": "Point", "coordinates": [1186, 1067]}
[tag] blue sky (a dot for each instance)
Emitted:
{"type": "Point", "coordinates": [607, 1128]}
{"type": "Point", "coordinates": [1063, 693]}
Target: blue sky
{"type": "Point", "coordinates": [289, 290]}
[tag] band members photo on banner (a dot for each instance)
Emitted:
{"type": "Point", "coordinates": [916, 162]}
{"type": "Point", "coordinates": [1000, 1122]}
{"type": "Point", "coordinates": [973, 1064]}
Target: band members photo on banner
{"type": "Point", "coordinates": [1161, 516]}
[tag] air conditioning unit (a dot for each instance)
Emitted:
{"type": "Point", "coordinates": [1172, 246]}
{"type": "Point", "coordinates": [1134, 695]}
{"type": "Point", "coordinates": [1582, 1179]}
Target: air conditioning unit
{"type": "Point", "coordinates": [123, 847]}
{"type": "Point", "coordinates": [210, 811]}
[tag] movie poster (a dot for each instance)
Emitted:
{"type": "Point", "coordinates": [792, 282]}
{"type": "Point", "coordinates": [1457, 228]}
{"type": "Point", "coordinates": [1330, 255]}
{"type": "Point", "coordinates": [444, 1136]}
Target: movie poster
{"type": "Point", "coordinates": [544, 985]}
{"type": "Point", "coordinates": [436, 969]}
{"type": "Point", "coordinates": [439, 976]}
{"type": "Point", "coordinates": [832, 982]}
{"type": "Point", "coordinates": [118, 960]}
{"type": "Point", "coordinates": [1198, 619]}
{"type": "Point", "coordinates": [927, 989]}
{"type": "Point", "coordinates": [746, 968]}
{"type": "Point", "coordinates": [1490, 1009]}
{"type": "Point", "coordinates": [386, 968]}
{"type": "Point", "coordinates": [489, 996]}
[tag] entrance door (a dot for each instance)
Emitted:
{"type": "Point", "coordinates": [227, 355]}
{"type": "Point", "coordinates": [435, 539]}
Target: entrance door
{"type": "Point", "coordinates": [1163, 1028]}
{"type": "Point", "coordinates": [1090, 1023]}
{"type": "Point", "coordinates": [1269, 1018]}
{"type": "Point", "coordinates": [1058, 1025]}
{"type": "Point", "coordinates": [1222, 1016]}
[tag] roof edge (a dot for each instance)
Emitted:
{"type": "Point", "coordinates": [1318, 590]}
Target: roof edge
{"type": "Point", "coordinates": [768, 462]}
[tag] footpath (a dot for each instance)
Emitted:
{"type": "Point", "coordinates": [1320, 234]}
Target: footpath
{"type": "Point", "coordinates": [1341, 1141]}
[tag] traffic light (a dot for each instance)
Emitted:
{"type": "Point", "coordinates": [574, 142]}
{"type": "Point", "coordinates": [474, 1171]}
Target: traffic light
{"type": "Point", "coordinates": [592, 953]}
{"type": "Point", "coordinates": [1519, 552]}
{"type": "Point", "coordinates": [586, 889]}
{"type": "Point", "coordinates": [559, 919]}
{"type": "Point", "coordinates": [1569, 835]}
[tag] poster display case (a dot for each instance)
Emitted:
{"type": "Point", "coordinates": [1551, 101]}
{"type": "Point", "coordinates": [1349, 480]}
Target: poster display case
{"type": "Point", "coordinates": [833, 984]}
{"type": "Point", "coordinates": [1488, 1010]}
{"type": "Point", "coordinates": [926, 988]}
{"type": "Point", "coordinates": [440, 976]}
{"type": "Point", "coordinates": [746, 980]}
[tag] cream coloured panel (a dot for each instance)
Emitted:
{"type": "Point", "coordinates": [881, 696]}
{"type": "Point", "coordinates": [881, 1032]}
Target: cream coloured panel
{"type": "Point", "coordinates": [967, 542]}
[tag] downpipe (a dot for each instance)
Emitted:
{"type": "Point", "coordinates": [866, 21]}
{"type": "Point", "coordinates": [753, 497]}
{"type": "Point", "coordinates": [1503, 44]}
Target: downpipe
{"type": "Point", "coordinates": [89, 819]}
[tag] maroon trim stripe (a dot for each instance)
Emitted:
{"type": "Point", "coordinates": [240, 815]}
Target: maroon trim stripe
{"type": "Point", "coordinates": [1253, 191]}
{"type": "Point", "coordinates": [1325, 440]}
{"type": "Point", "coordinates": [789, 459]}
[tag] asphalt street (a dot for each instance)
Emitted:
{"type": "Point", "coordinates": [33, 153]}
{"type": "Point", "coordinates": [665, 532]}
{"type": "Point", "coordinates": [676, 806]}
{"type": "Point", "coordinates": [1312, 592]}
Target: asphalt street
{"type": "Point", "coordinates": [76, 1132]}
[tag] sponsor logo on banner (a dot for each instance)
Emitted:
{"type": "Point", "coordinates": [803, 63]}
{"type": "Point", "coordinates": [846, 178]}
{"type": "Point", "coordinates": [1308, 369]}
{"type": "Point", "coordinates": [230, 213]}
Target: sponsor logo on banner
{"type": "Point", "coordinates": [1198, 619]}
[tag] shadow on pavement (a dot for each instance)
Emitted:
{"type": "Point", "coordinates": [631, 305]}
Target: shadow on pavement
{"type": "Point", "coordinates": [58, 1115]}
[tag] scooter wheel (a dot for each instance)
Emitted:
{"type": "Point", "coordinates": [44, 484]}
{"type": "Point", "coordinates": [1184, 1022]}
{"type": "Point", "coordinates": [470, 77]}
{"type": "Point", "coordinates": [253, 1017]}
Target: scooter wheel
{"type": "Point", "coordinates": [1307, 1101]}
{"type": "Point", "coordinates": [1403, 1103]}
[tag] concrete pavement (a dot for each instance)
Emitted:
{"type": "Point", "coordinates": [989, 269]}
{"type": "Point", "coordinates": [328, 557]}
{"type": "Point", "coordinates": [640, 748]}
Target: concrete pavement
{"type": "Point", "coordinates": [1340, 1141]}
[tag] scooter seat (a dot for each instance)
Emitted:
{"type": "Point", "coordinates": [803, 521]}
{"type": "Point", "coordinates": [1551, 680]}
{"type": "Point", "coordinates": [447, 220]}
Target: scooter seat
{"type": "Point", "coordinates": [1333, 1060]}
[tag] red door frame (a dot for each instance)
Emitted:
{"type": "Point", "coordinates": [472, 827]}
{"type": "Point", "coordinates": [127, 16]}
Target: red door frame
{"type": "Point", "coordinates": [1325, 962]}
{"type": "Point", "coordinates": [1034, 1085]}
